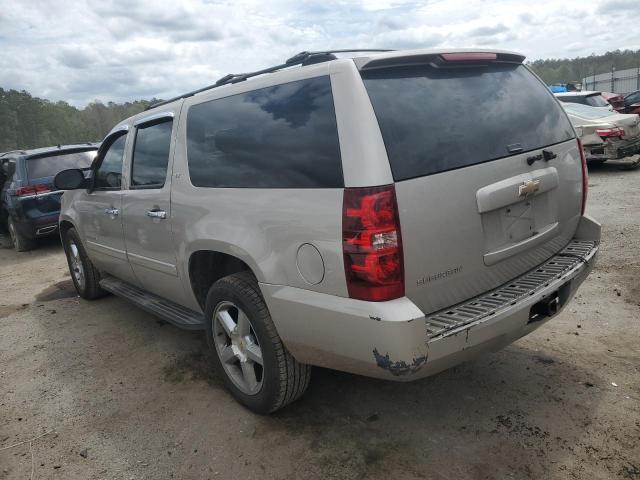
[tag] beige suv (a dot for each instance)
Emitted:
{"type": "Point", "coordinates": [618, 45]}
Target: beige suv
{"type": "Point", "coordinates": [390, 214]}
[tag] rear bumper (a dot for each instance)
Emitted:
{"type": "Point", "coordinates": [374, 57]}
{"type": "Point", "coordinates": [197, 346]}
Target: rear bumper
{"type": "Point", "coordinates": [39, 227]}
{"type": "Point", "coordinates": [394, 340]}
{"type": "Point", "coordinates": [629, 150]}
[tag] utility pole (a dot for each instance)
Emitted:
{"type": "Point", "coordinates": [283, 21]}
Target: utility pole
{"type": "Point", "coordinates": [613, 78]}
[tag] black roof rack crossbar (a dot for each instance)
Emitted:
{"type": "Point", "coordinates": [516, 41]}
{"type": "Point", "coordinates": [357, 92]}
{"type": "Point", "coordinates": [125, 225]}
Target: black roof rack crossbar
{"type": "Point", "coordinates": [302, 58]}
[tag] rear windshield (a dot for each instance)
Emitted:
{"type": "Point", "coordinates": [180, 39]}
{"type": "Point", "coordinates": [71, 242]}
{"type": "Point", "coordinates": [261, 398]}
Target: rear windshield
{"type": "Point", "coordinates": [586, 111]}
{"type": "Point", "coordinates": [434, 119]}
{"type": "Point", "coordinates": [50, 166]}
{"type": "Point", "coordinates": [595, 100]}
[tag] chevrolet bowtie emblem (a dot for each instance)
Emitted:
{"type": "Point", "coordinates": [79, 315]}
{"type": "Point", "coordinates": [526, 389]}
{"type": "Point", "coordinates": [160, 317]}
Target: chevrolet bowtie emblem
{"type": "Point", "coordinates": [528, 188]}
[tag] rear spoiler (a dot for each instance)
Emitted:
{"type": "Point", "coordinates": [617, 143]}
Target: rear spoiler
{"type": "Point", "coordinates": [440, 59]}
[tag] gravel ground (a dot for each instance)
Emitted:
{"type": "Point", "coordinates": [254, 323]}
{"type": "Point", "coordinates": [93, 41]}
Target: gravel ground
{"type": "Point", "coordinates": [119, 394]}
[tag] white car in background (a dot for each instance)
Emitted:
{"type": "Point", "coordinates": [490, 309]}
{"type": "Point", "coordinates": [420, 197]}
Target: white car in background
{"type": "Point", "coordinates": [605, 135]}
{"type": "Point", "coordinates": [585, 97]}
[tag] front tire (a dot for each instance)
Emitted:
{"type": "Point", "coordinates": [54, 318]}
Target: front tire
{"type": "Point", "coordinates": [20, 242]}
{"type": "Point", "coordinates": [249, 355]}
{"type": "Point", "coordinates": [85, 276]}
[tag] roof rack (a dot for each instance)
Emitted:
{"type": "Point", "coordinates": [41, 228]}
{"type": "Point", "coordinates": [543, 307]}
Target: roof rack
{"type": "Point", "coordinates": [302, 58]}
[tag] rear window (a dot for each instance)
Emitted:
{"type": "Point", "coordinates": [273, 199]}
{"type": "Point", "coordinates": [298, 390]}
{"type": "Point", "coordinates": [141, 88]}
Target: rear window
{"type": "Point", "coordinates": [151, 155]}
{"type": "Point", "coordinates": [277, 137]}
{"type": "Point", "coordinates": [587, 111]}
{"type": "Point", "coordinates": [438, 119]}
{"type": "Point", "coordinates": [596, 100]}
{"type": "Point", "coordinates": [50, 166]}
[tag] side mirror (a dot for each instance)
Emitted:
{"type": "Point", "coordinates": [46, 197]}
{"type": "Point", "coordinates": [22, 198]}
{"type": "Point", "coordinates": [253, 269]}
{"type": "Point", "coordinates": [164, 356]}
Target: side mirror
{"type": "Point", "coordinates": [72, 179]}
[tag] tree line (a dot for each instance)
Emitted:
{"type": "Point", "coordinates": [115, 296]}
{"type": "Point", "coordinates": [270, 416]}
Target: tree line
{"type": "Point", "coordinates": [575, 69]}
{"type": "Point", "coordinates": [29, 122]}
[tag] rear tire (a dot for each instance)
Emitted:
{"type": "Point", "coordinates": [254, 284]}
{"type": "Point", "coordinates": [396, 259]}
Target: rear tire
{"type": "Point", "coordinates": [20, 242]}
{"type": "Point", "coordinates": [241, 334]}
{"type": "Point", "coordinates": [85, 276]}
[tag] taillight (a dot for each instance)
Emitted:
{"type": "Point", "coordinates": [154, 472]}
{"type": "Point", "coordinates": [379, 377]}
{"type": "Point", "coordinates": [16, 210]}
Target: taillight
{"type": "Point", "coordinates": [31, 190]}
{"type": "Point", "coordinates": [585, 176]}
{"type": "Point", "coordinates": [610, 132]}
{"type": "Point", "coordinates": [372, 243]}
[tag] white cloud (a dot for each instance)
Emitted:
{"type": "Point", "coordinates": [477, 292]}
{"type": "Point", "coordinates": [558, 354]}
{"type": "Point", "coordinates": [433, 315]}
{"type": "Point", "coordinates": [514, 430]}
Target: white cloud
{"type": "Point", "coordinates": [81, 50]}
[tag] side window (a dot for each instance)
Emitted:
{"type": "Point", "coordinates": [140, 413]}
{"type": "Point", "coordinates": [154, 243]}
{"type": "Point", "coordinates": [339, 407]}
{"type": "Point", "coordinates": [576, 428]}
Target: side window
{"type": "Point", "coordinates": [283, 136]}
{"type": "Point", "coordinates": [109, 173]}
{"type": "Point", "coordinates": [151, 155]}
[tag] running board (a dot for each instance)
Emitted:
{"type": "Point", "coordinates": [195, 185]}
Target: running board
{"type": "Point", "coordinates": [173, 313]}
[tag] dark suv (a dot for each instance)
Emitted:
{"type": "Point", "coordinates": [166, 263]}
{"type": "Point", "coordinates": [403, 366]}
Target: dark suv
{"type": "Point", "coordinates": [29, 203]}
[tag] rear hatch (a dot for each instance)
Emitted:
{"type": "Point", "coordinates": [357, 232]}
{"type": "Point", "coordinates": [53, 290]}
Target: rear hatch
{"type": "Point", "coordinates": [39, 196]}
{"type": "Point", "coordinates": [487, 171]}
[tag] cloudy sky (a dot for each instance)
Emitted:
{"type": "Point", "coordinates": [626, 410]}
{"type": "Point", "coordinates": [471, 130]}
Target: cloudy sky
{"type": "Point", "coordinates": [82, 50]}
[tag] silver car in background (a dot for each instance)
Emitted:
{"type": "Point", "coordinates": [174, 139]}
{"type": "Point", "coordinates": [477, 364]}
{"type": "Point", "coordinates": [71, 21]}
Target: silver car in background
{"type": "Point", "coordinates": [390, 214]}
{"type": "Point", "coordinates": [605, 135]}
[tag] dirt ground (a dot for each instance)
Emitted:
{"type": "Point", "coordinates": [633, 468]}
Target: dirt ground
{"type": "Point", "coordinates": [119, 394]}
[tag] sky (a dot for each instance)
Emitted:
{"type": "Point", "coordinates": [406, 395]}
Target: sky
{"type": "Point", "coordinates": [85, 50]}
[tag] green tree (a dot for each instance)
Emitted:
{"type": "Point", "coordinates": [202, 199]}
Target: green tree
{"type": "Point", "coordinates": [31, 122]}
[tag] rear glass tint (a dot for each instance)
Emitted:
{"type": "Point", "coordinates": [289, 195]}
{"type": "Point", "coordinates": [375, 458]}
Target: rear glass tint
{"type": "Point", "coordinates": [50, 166]}
{"type": "Point", "coordinates": [438, 119]}
{"type": "Point", "coordinates": [587, 111]}
{"type": "Point", "coordinates": [277, 137]}
{"type": "Point", "coordinates": [591, 100]}
{"type": "Point", "coordinates": [151, 155]}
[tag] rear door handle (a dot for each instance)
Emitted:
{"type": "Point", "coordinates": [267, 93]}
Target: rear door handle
{"type": "Point", "coordinates": [112, 211]}
{"type": "Point", "coordinates": [161, 214]}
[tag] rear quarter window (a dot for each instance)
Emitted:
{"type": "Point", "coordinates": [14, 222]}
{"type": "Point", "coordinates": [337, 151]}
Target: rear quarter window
{"type": "Point", "coordinates": [438, 119]}
{"type": "Point", "coordinates": [51, 165]}
{"type": "Point", "coordinates": [283, 136]}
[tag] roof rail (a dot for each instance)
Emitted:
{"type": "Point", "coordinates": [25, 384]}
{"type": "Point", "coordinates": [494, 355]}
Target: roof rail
{"type": "Point", "coordinates": [302, 58]}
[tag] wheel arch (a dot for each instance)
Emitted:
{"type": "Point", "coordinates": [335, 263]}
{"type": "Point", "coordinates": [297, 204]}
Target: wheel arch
{"type": "Point", "coordinates": [207, 266]}
{"type": "Point", "coordinates": [64, 225]}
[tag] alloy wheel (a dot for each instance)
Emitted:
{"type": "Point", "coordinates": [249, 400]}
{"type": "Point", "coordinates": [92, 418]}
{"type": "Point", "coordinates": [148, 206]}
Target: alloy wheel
{"type": "Point", "coordinates": [238, 348]}
{"type": "Point", "coordinates": [75, 263]}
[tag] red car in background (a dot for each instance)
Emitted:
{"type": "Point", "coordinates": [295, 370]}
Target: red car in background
{"type": "Point", "coordinates": [632, 102]}
{"type": "Point", "coordinates": [616, 101]}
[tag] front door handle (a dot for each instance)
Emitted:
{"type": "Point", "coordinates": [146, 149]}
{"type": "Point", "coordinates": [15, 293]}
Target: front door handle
{"type": "Point", "coordinates": [161, 214]}
{"type": "Point", "coordinates": [112, 211]}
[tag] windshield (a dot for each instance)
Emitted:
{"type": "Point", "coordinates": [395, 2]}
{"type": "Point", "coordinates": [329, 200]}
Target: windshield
{"type": "Point", "coordinates": [632, 98]}
{"type": "Point", "coordinates": [586, 111]}
{"type": "Point", "coordinates": [438, 119]}
{"type": "Point", "coordinates": [50, 166]}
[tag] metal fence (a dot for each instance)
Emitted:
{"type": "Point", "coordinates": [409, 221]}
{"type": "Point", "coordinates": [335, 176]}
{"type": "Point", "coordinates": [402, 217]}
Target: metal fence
{"type": "Point", "coordinates": [618, 81]}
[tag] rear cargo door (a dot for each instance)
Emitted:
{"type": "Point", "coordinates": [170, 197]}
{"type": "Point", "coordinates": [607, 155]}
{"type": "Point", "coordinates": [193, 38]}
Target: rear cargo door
{"type": "Point", "coordinates": [487, 170]}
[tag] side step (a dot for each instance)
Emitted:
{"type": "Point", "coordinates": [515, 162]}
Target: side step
{"type": "Point", "coordinates": [167, 310]}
